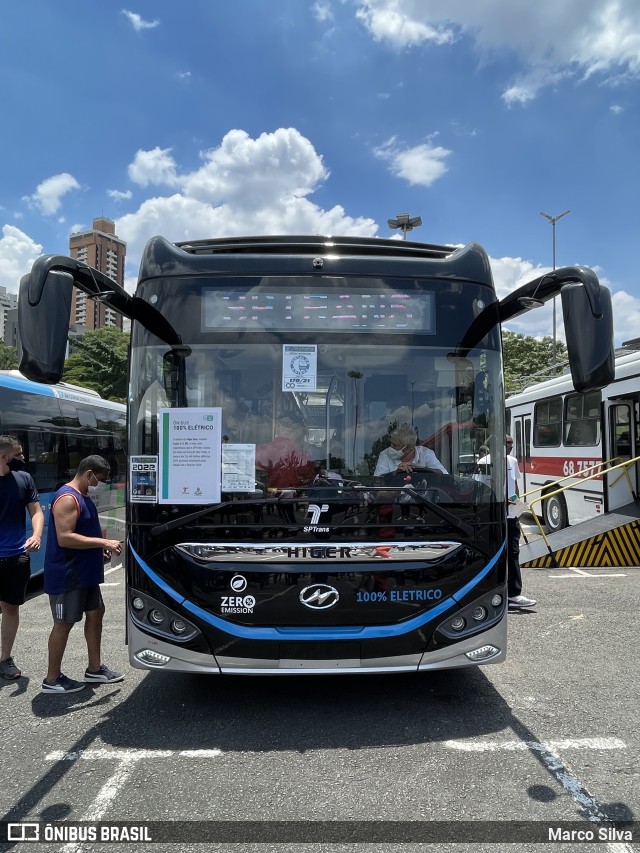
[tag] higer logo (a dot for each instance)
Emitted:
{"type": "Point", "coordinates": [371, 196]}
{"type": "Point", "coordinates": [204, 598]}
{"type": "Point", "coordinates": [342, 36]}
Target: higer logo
{"type": "Point", "coordinates": [319, 596]}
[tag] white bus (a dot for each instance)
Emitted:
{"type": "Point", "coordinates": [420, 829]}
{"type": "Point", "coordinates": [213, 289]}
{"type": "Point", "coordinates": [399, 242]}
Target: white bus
{"type": "Point", "coordinates": [559, 433]}
{"type": "Point", "coordinates": [57, 426]}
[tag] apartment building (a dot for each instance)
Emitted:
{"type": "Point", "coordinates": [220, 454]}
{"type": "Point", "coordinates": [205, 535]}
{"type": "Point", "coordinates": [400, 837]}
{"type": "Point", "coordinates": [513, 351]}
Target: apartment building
{"type": "Point", "coordinates": [103, 250]}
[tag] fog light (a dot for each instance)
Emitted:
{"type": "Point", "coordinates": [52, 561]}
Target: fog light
{"type": "Point", "coordinates": [496, 601]}
{"type": "Point", "coordinates": [483, 653]}
{"type": "Point", "coordinates": [152, 658]}
{"type": "Point", "coordinates": [178, 626]}
{"type": "Point", "coordinates": [479, 613]}
{"type": "Point", "coordinates": [137, 603]}
{"type": "Point", "coordinates": [156, 616]}
{"type": "Point", "coordinates": [458, 623]}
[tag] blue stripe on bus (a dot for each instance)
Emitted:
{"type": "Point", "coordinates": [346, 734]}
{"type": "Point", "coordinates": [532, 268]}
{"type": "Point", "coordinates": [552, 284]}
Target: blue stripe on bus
{"type": "Point", "coordinates": [19, 383]}
{"type": "Point", "coordinates": [338, 633]}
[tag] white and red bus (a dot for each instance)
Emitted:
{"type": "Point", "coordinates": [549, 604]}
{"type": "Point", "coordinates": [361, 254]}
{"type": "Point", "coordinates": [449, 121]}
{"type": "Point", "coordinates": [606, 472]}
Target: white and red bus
{"type": "Point", "coordinates": [559, 434]}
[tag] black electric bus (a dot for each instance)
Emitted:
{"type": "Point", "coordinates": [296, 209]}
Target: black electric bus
{"type": "Point", "coordinates": [279, 520]}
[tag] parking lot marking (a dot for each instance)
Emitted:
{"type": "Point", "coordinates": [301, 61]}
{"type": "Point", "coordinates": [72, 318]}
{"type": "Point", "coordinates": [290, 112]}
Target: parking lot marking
{"type": "Point", "coordinates": [581, 573]}
{"type": "Point", "coordinates": [131, 754]}
{"type": "Point", "coordinates": [511, 745]}
{"type": "Point", "coordinates": [556, 767]}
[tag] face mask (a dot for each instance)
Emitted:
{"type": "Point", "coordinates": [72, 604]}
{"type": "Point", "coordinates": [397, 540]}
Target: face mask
{"type": "Point", "coordinates": [97, 488]}
{"type": "Point", "coordinates": [17, 465]}
{"type": "Point", "coordinates": [395, 454]}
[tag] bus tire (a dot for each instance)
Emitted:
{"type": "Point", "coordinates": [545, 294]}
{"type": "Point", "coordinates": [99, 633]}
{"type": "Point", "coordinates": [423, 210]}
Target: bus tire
{"type": "Point", "coordinates": [555, 513]}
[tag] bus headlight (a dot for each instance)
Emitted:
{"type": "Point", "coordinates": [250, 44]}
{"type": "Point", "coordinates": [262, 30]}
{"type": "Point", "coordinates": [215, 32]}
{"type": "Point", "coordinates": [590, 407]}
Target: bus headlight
{"type": "Point", "coordinates": [154, 617]}
{"type": "Point", "coordinates": [476, 617]}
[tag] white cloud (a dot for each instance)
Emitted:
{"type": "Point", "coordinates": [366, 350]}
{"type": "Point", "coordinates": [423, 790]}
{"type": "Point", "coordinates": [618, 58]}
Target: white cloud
{"type": "Point", "coordinates": [511, 273]}
{"type": "Point", "coordinates": [184, 75]}
{"type": "Point", "coordinates": [551, 40]}
{"type": "Point", "coordinates": [244, 186]}
{"type": "Point", "coordinates": [322, 11]}
{"type": "Point", "coordinates": [119, 195]}
{"type": "Point", "coordinates": [278, 166]}
{"type": "Point", "coordinates": [137, 21]}
{"type": "Point", "coordinates": [153, 167]}
{"type": "Point", "coordinates": [423, 164]}
{"type": "Point", "coordinates": [17, 253]}
{"type": "Point", "coordinates": [616, 109]}
{"type": "Point", "coordinates": [48, 195]}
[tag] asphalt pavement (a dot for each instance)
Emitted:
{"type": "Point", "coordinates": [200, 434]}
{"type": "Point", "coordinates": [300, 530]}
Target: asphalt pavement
{"type": "Point", "coordinates": [550, 736]}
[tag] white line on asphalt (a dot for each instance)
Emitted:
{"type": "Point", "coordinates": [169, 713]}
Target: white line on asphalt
{"type": "Point", "coordinates": [556, 767]}
{"type": "Point", "coordinates": [105, 796]}
{"type": "Point", "coordinates": [131, 754]}
{"type": "Point", "coordinates": [127, 761]}
{"type": "Point", "coordinates": [511, 745]}
{"type": "Point", "coordinates": [580, 573]}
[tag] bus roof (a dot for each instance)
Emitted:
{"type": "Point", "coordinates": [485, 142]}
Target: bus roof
{"type": "Point", "coordinates": [302, 245]}
{"type": "Point", "coordinates": [626, 364]}
{"type": "Point", "coordinates": [277, 255]}
{"type": "Point", "coordinates": [63, 390]}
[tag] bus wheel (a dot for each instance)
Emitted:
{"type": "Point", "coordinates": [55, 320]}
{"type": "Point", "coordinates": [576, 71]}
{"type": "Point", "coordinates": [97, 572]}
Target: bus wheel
{"type": "Point", "coordinates": [555, 513]}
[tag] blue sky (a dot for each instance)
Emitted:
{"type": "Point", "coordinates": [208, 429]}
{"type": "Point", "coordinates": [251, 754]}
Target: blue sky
{"type": "Point", "coordinates": [204, 118]}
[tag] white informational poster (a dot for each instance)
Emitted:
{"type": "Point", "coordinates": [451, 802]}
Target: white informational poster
{"type": "Point", "coordinates": [189, 461]}
{"type": "Point", "coordinates": [299, 367]}
{"type": "Point", "coordinates": [238, 467]}
{"type": "Point", "coordinates": [143, 479]}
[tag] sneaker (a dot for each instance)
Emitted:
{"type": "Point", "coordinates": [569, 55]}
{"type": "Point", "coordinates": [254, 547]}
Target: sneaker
{"type": "Point", "coordinates": [9, 670]}
{"type": "Point", "coordinates": [104, 675]}
{"type": "Point", "coordinates": [62, 684]}
{"type": "Point", "coordinates": [520, 602]}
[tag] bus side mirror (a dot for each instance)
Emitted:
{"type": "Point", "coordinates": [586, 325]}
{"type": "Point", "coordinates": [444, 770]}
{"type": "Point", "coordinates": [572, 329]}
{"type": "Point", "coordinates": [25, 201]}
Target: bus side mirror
{"type": "Point", "coordinates": [43, 322]}
{"type": "Point", "coordinates": [589, 338]}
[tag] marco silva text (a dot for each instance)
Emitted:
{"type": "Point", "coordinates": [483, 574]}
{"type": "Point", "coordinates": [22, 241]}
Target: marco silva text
{"type": "Point", "coordinates": [602, 833]}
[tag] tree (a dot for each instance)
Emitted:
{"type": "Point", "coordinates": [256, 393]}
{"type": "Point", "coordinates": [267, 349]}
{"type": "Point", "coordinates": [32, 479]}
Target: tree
{"type": "Point", "coordinates": [528, 360]}
{"type": "Point", "coordinates": [8, 357]}
{"type": "Point", "coordinates": [100, 363]}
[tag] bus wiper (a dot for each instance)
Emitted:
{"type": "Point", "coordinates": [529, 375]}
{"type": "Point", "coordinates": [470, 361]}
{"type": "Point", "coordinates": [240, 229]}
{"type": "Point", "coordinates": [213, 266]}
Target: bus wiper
{"type": "Point", "coordinates": [159, 529]}
{"type": "Point", "coordinates": [444, 514]}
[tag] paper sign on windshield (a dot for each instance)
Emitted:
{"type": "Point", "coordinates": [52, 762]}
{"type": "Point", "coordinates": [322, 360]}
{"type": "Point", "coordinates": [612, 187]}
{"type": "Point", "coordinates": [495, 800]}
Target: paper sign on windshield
{"type": "Point", "coordinates": [299, 367]}
{"type": "Point", "coordinates": [189, 461]}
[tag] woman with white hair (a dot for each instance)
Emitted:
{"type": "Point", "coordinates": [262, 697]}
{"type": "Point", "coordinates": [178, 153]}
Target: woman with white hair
{"type": "Point", "coordinates": [403, 456]}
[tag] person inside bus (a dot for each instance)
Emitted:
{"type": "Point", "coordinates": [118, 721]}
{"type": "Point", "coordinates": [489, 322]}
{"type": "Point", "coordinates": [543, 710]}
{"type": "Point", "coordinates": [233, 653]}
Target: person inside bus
{"type": "Point", "coordinates": [403, 456]}
{"type": "Point", "coordinates": [285, 463]}
{"type": "Point", "coordinates": [396, 465]}
{"type": "Point", "coordinates": [581, 432]}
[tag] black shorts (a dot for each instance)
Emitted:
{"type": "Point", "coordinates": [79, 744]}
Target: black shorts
{"type": "Point", "coordinates": [14, 576]}
{"type": "Point", "coordinates": [71, 606]}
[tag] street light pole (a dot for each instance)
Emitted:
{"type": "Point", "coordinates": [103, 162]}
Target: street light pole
{"type": "Point", "coordinates": [405, 223]}
{"type": "Point", "coordinates": [553, 220]}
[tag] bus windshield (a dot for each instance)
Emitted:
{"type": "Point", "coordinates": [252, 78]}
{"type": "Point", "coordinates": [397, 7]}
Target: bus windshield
{"type": "Point", "coordinates": [357, 403]}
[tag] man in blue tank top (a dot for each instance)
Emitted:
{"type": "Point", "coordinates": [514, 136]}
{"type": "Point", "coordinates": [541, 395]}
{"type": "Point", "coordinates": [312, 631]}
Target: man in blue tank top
{"type": "Point", "coordinates": [73, 572]}
{"type": "Point", "coordinates": [17, 493]}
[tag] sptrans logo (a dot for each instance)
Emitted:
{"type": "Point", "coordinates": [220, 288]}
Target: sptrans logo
{"type": "Point", "coordinates": [315, 510]}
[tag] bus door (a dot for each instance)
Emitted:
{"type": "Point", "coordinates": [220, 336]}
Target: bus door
{"type": "Point", "coordinates": [623, 421]}
{"type": "Point", "coordinates": [521, 435]}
